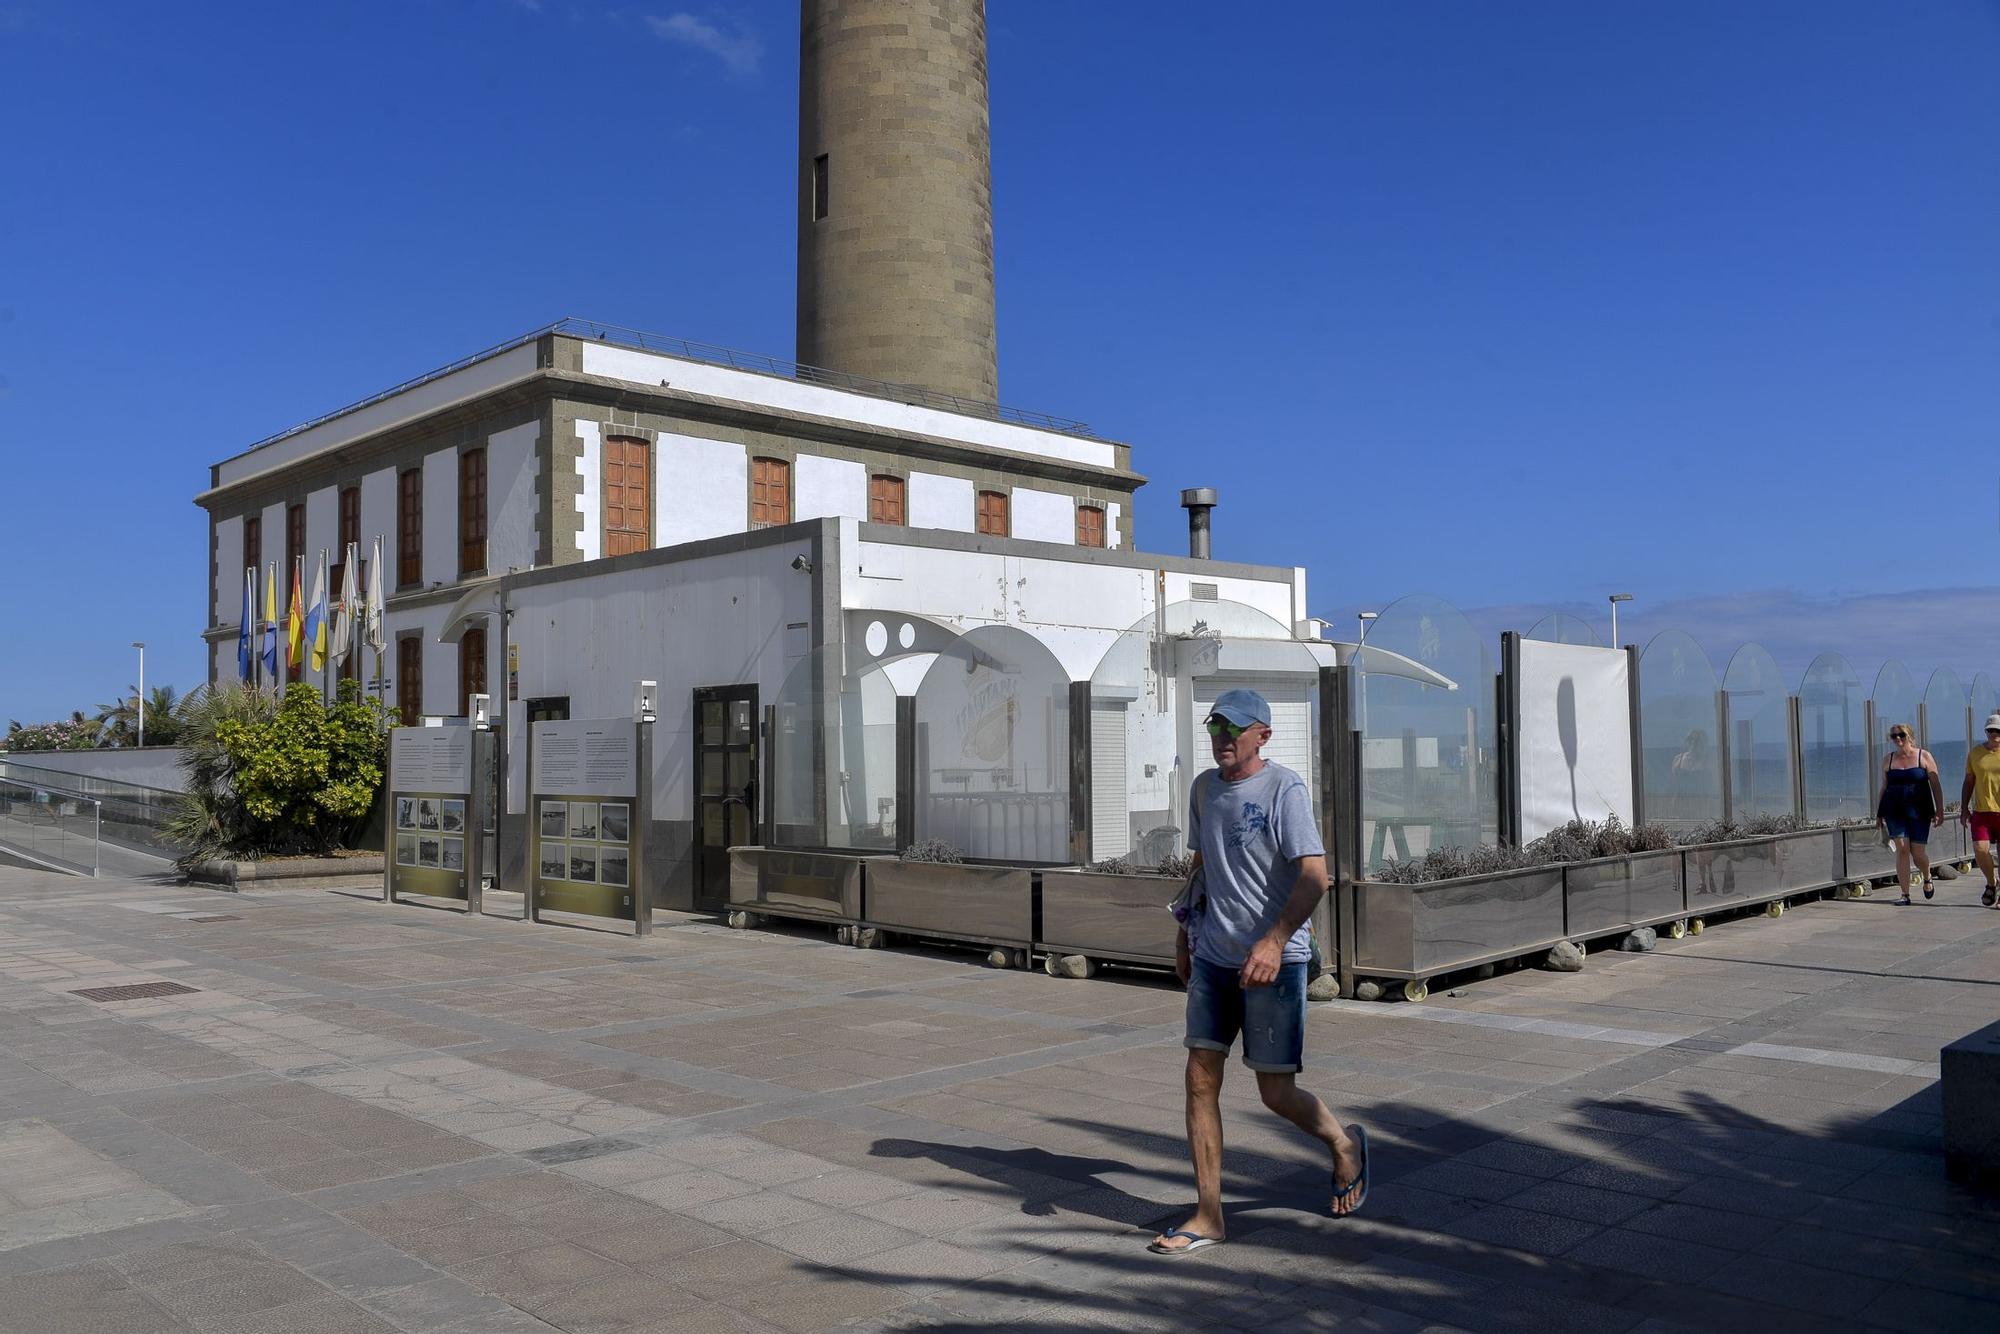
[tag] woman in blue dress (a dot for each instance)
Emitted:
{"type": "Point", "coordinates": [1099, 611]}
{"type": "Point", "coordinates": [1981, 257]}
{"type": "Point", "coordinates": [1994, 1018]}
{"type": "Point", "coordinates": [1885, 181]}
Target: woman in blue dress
{"type": "Point", "coordinates": [1912, 801]}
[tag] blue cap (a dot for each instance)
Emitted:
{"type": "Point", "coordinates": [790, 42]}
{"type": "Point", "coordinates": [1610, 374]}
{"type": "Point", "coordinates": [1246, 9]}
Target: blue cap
{"type": "Point", "coordinates": [1243, 707]}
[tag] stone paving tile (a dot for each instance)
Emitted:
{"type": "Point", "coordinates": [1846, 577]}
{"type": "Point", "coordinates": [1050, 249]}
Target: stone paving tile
{"type": "Point", "coordinates": [376, 1118]}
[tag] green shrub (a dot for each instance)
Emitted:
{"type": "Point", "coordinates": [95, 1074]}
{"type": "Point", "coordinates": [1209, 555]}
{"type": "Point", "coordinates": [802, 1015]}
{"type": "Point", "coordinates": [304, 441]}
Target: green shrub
{"type": "Point", "coordinates": [268, 776]}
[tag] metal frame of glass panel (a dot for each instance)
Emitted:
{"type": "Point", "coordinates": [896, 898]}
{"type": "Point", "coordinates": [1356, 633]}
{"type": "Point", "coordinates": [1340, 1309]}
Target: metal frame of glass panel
{"type": "Point", "coordinates": [1680, 714]}
{"type": "Point", "coordinates": [1833, 741]}
{"type": "Point", "coordinates": [1561, 628]}
{"type": "Point", "coordinates": [1893, 699]}
{"type": "Point", "coordinates": [1760, 735]}
{"type": "Point", "coordinates": [1947, 727]}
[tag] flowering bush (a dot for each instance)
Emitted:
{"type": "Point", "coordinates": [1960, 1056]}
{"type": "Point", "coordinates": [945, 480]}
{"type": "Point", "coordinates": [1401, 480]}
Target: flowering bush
{"type": "Point", "coordinates": [73, 733]}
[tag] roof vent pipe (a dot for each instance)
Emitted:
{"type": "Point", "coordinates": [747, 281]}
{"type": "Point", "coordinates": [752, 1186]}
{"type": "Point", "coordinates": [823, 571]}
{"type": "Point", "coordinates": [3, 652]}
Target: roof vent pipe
{"type": "Point", "coordinates": [1198, 502]}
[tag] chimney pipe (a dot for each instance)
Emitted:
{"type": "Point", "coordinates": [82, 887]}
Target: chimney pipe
{"type": "Point", "coordinates": [1198, 501]}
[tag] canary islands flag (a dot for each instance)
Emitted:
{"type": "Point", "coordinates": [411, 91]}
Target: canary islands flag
{"type": "Point", "coordinates": [295, 620]}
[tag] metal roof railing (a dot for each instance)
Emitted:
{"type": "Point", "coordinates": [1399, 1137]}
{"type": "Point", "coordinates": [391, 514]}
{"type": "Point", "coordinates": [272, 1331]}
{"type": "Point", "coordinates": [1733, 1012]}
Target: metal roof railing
{"type": "Point", "coordinates": [915, 395]}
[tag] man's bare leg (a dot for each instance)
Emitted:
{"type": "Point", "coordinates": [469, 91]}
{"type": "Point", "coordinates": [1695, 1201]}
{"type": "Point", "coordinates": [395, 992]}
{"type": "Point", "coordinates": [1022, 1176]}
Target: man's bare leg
{"type": "Point", "coordinates": [1282, 1094]}
{"type": "Point", "coordinates": [1983, 854]}
{"type": "Point", "coordinates": [1204, 1130]}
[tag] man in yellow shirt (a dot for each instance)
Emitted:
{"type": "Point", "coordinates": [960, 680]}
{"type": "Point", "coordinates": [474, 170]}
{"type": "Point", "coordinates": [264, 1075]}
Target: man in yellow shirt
{"type": "Point", "coordinates": [1979, 804]}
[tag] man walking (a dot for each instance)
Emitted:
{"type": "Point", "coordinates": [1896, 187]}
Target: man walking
{"type": "Point", "coordinates": [1979, 804]}
{"type": "Point", "coordinates": [1242, 953]}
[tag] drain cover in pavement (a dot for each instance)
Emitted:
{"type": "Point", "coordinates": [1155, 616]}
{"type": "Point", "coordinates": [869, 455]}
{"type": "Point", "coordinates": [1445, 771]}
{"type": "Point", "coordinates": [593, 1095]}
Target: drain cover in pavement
{"type": "Point", "coordinates": [135, 991]}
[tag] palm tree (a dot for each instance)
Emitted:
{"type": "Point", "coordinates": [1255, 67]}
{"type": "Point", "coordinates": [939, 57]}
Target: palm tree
{"type": "Point", "coordinates": [120, 721]}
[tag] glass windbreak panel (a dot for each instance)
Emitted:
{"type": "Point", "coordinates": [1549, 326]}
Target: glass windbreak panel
{"type": "Point", "coordinates": [834, 760]}
{"type": "Point", "coordinates": [1760, 735]}
{"type": "Point", "coordinates": [1561, 628]}
{"type": "Point", "coordinates": [1895, 698]}
{"type": "Point", "coordinates": [1680, 762]}
{"type": "Point", "coordinates": [1985, 701]}
{"type": "Point", "coordinates": [1426, 712]}
{"type": "Point", "coordinates": [1833, 740]}
{"type": "Point", "coordinates": [993, 746]}
{"type": "Point", "coordinates": [1149, 695]}
{"type": "Point", "coordinates": [1945, 728]}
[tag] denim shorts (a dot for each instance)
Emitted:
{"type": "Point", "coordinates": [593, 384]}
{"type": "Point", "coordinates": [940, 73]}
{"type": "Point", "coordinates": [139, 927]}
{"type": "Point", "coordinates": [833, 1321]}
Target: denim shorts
{"type": "Point", "coordinates": [1907, 825]}
{"type": "Point", "coordinates": [1271, 1019]}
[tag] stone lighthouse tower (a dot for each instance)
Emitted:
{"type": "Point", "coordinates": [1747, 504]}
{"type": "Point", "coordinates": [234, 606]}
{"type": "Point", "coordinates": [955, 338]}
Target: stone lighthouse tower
{"type": "Point", "coordinates": [896, 193]}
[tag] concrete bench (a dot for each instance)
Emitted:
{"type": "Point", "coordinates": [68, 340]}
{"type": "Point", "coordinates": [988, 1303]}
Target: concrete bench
{"type": "Point", "coordinates": [1969, 1071]}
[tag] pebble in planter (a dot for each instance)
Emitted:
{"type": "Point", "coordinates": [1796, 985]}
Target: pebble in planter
{"type": "Point", "coordinates": [1566, 957]}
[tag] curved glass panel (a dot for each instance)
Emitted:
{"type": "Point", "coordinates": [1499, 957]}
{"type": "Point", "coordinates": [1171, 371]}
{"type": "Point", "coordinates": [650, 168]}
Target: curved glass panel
{"type": "Point", "coordinates": [1148, 698]}
{"type": "Point", "coordinates": [993, 748]}
{"type": "Point", "coordinates": [1833, 740]}
{"type": "Point", "coordinates": [1680, 763]}
{"type": "Point", "coordinates": [834, 755]}
{"type": "Point", "coordinates": [1760, 735]}
{"type": "Point", "coordinates": [1429, 770]}
{"type": "Point", "coordinates": [1895, 698]}
{"type": "Point", "coordinates": [1984, 696]}
{"type": "Point", "coordinates": [1561, 628]}
{"type": "Point", "coordinates": [1945, 728]}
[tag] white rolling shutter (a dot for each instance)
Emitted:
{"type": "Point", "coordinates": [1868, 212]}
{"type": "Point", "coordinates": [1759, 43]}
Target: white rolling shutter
{"type": "Point", "coordinates": [1291, 722]}
{"type": "Point", "coordinates": [1110, 783]}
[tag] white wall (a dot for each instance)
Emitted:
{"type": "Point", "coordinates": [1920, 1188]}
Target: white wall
{"type": "Point", "coordinates": [322, 533]}
{"type": "Point", "coordinates": [719, 620]}
{"type": "Point", "coordinates": [701, 488]}
{"type": "Point", "coordinates": [274, 558]}
{"type": "Point", "coordinates": [511, 465]}
{"type": "Point", "coordinates": [590, 503]}
{"type": "Point", "coordinates": [1042, 516]}
{"type": "Point", "coordinates": [829, 489]}
{"type": "Point", "coordinates": [650, 369]}
{"type": "Point", "coordinates": [480, 378]}
{"type": "Point", "coordinates": [227, 597]}
{"type": "Point", "coordinates": [441, 517]}
{"type": "Point", "coordinates": [1113, 538]}
{"type": "Point", "coordinates": [378, 519]}
{"type": "Point", "coordinates": [939, 502]}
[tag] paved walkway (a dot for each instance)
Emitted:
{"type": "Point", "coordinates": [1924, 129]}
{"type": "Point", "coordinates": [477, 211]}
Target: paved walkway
{"type": "Point", "coordinates": [351, 1117]}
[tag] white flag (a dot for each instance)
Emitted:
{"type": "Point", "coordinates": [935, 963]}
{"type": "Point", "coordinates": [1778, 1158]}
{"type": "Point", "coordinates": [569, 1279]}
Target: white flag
{"type": "Point", "coordinates": [371, 616]}
{"type": "Point", "coordinates": [344, 612]}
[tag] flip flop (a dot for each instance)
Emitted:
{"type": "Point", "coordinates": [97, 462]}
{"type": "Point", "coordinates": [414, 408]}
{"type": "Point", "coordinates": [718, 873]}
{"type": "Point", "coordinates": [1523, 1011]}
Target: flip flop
{"type": "Point", "coordinates": [1930, 889]}
{"type": "Point", "coordinates": [1360, 1181]}
{"type": "Point", "coordinates": [1196, 1242]}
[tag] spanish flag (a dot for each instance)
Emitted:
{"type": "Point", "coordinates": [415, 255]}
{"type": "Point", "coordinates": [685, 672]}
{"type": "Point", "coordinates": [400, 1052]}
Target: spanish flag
{"type": "Point", "coordinates": [295, 623]}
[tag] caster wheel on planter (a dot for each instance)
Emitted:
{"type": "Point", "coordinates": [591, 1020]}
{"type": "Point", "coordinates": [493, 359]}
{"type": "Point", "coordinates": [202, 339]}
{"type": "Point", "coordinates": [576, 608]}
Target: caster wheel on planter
{"type": "Point", "coordinates": [1775, 908]}
{"type": "Point", "coordinates": [1694, 926]}
{"type": "Point", "coordinates": [1677, 930]}
{"type": "Point", "coordinates": [1416, 989]}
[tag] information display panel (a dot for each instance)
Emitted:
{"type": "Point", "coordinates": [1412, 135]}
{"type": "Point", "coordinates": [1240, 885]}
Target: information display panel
{"type": "Point", "coordinates": [433, 840]}
{"type": "Point", "coordinates": [586, 825]}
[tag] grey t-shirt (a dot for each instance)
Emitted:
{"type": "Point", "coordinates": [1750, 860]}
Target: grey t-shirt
{"type": "Point", "coordinates": [1249, 833]}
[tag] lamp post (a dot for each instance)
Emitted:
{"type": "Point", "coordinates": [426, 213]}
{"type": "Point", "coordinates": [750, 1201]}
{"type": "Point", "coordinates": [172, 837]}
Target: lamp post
{"type": "Point", "coordinates": [1365, 617]}
{"type": "Point", "coordinates": [140, 644]}
{"type": "Point", "coordinates": [1615, 599]}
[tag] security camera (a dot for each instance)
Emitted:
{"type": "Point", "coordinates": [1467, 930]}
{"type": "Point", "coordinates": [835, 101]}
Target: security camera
{"type": "Point", "coordinates": [801, 564]}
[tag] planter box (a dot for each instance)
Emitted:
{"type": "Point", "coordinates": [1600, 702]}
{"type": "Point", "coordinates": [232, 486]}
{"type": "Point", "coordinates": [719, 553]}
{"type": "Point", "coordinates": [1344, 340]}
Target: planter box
{"type": "Point", "coordinates": [1405, 931]}
{"type": "Point", "coordinates": [1756, 870]}
{"type": "Point", "coordinates": [987, 905]}
{"type": "Point", "coordinates": [1109, 916]}
{"type": "Point", "coordinates": [1612, 895]}
{"type": "Point", "coordinates": [1864, 855]}
{"type": "Point", "coordinates": [1811, 860]}
{"type": "Point", "coordinates": [787, 882]}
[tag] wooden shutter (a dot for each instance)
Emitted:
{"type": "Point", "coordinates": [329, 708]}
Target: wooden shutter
{"type": "Point", "coordinates": [993, 513]}
{"type": "Point", "coordinates": [770, 492]}
{"type": "Point", "coordinates": [472, 512]}
{"type": "Point", "coordinates": [628, 495]}
{"type": "Point", "coordinates": [471, 665]}
{"type": "Point", "coordinates": [295, 550]}
{"type": "Point", "coordinates": [410, 528]}
{"type": "Point", "coordinates": [410, 678]}
{"type": "Point", "coordinates": [1089, 526]}
{"type": "Point", "coordinates": [350, 531]}
{"type": "Point", "coordinates": [885, 500]}
{"type": "Point", "coordinates": [253, 547]}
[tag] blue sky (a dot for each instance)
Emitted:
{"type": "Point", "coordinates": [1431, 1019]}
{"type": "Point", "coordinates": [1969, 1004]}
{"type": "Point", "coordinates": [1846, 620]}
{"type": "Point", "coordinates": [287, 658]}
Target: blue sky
{"type": "Point", "coordinates": [1510, 303]}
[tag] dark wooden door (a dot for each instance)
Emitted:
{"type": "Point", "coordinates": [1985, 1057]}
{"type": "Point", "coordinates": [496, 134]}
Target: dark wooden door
{"type": "Point", "coordinates": [725, 773]}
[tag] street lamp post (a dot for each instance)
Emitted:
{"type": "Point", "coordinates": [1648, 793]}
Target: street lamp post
{"type": "Point", "coordinates": [1365, 617]}
{"type": "Point", "coordinates": [140, 644]}
{"type": "Point", "coordinates": [1615, 599]}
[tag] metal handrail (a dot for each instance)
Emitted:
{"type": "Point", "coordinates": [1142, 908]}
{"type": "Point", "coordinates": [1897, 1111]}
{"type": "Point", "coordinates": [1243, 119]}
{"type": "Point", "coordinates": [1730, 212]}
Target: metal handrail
{"type": "Point", "coordinates": [755, 363]}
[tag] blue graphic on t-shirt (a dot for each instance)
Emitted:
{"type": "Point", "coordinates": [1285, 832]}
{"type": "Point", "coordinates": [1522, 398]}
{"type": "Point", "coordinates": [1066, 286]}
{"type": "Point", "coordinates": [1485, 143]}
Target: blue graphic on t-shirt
{"type": "Point", "coordinates": [1255, 822]}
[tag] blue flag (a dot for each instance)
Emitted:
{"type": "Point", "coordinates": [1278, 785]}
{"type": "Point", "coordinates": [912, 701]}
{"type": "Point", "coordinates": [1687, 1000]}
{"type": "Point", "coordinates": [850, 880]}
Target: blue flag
{"type": "Point", "coordinates": [245, 662]}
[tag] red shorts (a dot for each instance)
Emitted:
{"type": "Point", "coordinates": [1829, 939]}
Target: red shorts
{"type": "Point", "coordinates": [1986, 826]}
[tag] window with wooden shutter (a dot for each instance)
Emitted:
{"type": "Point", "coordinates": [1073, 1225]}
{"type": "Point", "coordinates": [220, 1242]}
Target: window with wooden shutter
{"type": "Point", "coordinates": [770, 492]}
{"type": "Point", "coordinates": [253, 543]}
{"type": "Point", "coordinates": [350, 532]}
{"type": "Point", "coordinates": [471, 665]}
{"type": "Point", "coordinates": [410, 679]}
{"type": "Point", "coordinates": [992, 516]}
{"type": "Point", "coordinates": [295, 550]}
{"type": "Point", "coordinates": [1089, 526]}
{"type": "Point", "coordinates": [410, 528]}
{"type": "Point", "coordinates": [628, 495]}
{"type": "Point", "coordinates": [472, 512]}
{"type": "Point", "coordinates": [885, 500]}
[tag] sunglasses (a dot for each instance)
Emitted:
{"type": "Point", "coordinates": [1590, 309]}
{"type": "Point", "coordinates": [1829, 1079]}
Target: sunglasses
{"type": "Point", "coordinates": [1897, 736]}
{"type": "Point", "coordinates": [1220, 726]}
